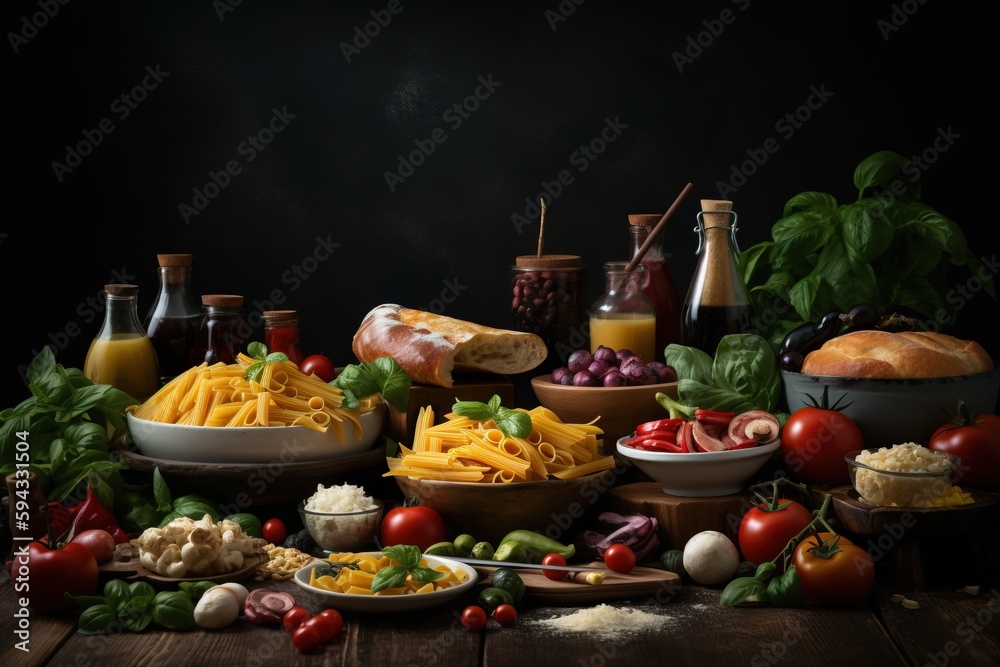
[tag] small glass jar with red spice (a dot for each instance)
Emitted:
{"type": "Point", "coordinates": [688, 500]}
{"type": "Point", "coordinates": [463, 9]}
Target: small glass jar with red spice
{"type": "Point", "coordinates": [281, 333]}
{"type": "Point", "coordinates": [223, 333]}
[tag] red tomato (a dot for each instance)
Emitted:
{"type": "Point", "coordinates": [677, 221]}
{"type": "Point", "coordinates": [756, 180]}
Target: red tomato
{"type": "Point", "coordinates": [554, 559]}
{"type": "Point", "coordinates": [763, 534]}
{"type": "Point", "coordinates": [307, 636]}
{"type": "Point", "coordinates": [332, 621]}
{"type": "Point", "coordinates": [294, 617]}
{"type": "Point", "coordinates": [474, 618]}
{"type": "Point", "coordinates": [976, 441]}
{"type": "Point", "coordinates": [814, 442]}
{"type": "Point", "coordinates": [844, 577]}
{"type": "Point", "coordinates": [99, 542]}
{"type": "Point", "coordinates": [418, 525]}
{"type": "Point", "coordinates": [619, 557]}
{"type": "Point", "coordinates": [319, 365]}
{"type": "Point", "coordinates": [505, 615]}
{"type": "Point", "coordinates": [54, 572]}
{"type": "Point", "coordinates": [274, 531]}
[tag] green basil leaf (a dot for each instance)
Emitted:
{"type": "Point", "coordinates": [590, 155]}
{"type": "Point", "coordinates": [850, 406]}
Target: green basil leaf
{"type": "Point", "coordinates": [173, 610]}
{"type": "Point", "coordinates": [746, 365]}
{"type": "Point", "coordinates": [743, 590]}
{"type": "Point", "coordinates": [161, 493]}
{"type": "Point", "coordinates": [405, 554]}
{"type": "Point", "coordinates": [393, 382]}
{"type": "Point", "coordinates": [257, 350]}
{"type": "Point", "coordinates": [137, 613]}
{"type": "Point", "coordinates": [389, 577]}
{"type": "Point", "coordinates": [358, 378]}
{"type": "Point", "coordinates": [253, 371]}
{"type": "Point", "coordinates": [709, 397]}
{"type": "Point", "coordinates": [195, 589]}
{"type": "Point", "coordinates": [867, 231]}
{"type": "Point", "coordinates": [764, 571]}
{"type": "Point", "coordinates": [85, 600]}
{"type": "Point", "coordinates": [349, 401]}
{"type": "Point", "coordinates": [276, 356]}
{"type": "Point", "coordinates": [879, 170]}
{"type": "Point", "coordinates": [473, 410]}
{"type": "Point", "coordinates": [514, 423]}
{"type": "Point", "coordinates": [116, 591]}
{"type": "Point", "coordinates": [494, 403]}
{"type": "Point", "coordinates": [690, 362]}
{"type": "Point", "coordinates": [786, 590]}
{"type": "Point", "coordinates": [96, 620]}
{"type": "Point", "coordinates": [425, 575]}
{"type": "Point", "coordinates": [809, 201]}
{"type": "Point", "coordinates": [141, 589]}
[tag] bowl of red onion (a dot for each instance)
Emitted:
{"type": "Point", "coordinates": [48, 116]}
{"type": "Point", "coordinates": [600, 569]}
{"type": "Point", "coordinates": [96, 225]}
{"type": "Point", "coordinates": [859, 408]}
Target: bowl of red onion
{"type": "Point", "coordinates": [615, 389]}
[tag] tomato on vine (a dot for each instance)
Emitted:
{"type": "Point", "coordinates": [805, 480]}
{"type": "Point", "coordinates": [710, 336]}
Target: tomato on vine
{"type": "Point", "coordinates": [815, 440]}
{"type": "Point", "coordinates": [833, 570]}
{"type": "Point", "coordinates": [766, 528]}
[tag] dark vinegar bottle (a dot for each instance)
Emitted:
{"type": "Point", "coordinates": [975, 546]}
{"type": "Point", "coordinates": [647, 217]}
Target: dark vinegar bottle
{"type": "Point", "coordinates": [173, 319]}
{"type": "Point", "coordinates": [717, 302]}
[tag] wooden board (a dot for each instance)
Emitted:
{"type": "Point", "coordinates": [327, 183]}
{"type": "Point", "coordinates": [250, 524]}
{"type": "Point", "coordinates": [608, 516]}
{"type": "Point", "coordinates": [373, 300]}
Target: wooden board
{"type": "Point", "coordinates": [133, 569]}
{"type": "Point", "coordinates": [863, 518]}
{"type": "Point", "coordinates": [679, 517]}
{"type": "Point", "coordinates": [641, 582]}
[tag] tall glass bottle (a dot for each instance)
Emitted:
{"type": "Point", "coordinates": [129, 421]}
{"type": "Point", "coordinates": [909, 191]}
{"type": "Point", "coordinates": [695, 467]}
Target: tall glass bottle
{"type": "Point", "coordinates": [172, 320]}
{"type": "Point", "coordinates": [623, 319]}
{"type": "Point", "coordinates": [658, 284]}
{"type": "Point", "coordinates": [121, 353]}
{"type": "Point", "coordinates": [717, 301]}
{"type": "Point", "coordinates": [223, 334]}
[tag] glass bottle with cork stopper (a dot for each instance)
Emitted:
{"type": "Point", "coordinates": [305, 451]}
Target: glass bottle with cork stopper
{"type": "Point", "coordinates": [717, 302]}
{"type": "Point", "coordinates": [223, 333]}
{"type": "Point", "coordinates": [281, 333]}
{"type": "Point", "coordinates": [121, 353]}
{"type": "Point", "coordinates": [624, 319]}
{"type": "Point", "coordinates": [658, 284]}
{"type": "Point", "coordinates": [173, 319]}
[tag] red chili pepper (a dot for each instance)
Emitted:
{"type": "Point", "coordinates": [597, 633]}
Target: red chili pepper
{"type": "Point", "coordinates": [60, 517]}
{"type": "Point", "coordinates": [654, 445]}
{"type": "Point", "coordinates": [671, 424]}
{"type": "Point", "coordinates": [744, 444]}
{"type": "Point", "coordinates": [91, 514]}
{"type": "Point", "coordinates": [714, 417]}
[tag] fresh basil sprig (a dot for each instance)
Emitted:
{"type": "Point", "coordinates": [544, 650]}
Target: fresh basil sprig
{"type": "Point", "coordinates": [134, 606]}
{"type": "Point", "coordinates": [394, 576]}
{"type": "Point", "coordinates": [514, 423]}
{"type": "Point", "coordinates": [257, 350]}
{"type": "Point", "coordinates": [383, 375]}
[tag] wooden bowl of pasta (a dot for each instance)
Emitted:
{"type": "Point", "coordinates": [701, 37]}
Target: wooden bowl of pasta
{"type": "Point", "coordinates": [214, 414]}
{"type": "Point", "coordinates": [487, 483]}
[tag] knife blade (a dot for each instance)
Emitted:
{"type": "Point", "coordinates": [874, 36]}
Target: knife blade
{"type": "Point", "coordinates": [533, 566]}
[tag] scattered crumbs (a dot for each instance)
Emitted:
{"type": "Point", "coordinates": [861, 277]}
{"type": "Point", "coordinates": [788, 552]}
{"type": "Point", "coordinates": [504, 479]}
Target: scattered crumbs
{"type": "Point", "coordinates": [605, 619]}
{"type": "Point", "coordinates": [910, 604]}
{"type": "Point", "coordinates": [971, 590]}
{"type": "Point", "coordinates": [896, 598]}
{"type": "Point", "coordinates": [699, 607]}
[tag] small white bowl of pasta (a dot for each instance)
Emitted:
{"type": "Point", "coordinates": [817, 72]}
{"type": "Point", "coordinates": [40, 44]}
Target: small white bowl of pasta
{"type": "Point", "coordinates": [252, 423]}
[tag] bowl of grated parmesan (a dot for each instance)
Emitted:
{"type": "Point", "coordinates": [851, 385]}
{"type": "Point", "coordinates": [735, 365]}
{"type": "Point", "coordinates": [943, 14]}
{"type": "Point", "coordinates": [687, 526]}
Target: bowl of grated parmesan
{"type": "Point", "coordinates": [341, 517]}
{"type": "Point", "coordinates": [906, 475]}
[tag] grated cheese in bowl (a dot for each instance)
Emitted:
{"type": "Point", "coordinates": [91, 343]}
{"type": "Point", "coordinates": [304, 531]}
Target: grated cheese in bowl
{"type": "Point", "coordinates": [341, 518]}
{"type": "Point", "coordinates": [906, 475]}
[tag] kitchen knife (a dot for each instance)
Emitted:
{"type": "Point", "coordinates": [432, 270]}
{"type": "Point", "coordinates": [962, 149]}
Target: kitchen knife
{"type": "Point", "coordinates": [533, 566]}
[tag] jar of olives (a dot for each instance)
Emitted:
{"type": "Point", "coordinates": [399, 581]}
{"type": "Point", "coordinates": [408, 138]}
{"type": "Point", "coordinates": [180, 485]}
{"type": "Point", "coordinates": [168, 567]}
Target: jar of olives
{"type": "Point", "coordinates": [549, 300]}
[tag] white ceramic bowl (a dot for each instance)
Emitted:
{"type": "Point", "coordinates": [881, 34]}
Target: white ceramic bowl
{"type": "Point", "coordinates": [700, 474]}
{"type": "Point", "coordinates": [343, 531]}
{"type": "Point", "coordinates": [390, 604]}
{"type": "Point", "coordinates": [891, 412]}
{"type": "Point", "coordinates": [257, 444]}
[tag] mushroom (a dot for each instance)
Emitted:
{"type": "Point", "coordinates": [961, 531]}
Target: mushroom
{"type": "Point", "coordinates": [217, 608]}
{"type": "Point", "coordinates": [754, 424]}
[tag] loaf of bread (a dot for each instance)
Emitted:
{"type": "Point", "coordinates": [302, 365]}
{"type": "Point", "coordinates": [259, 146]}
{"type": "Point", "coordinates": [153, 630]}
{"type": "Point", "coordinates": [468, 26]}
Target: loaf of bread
{"type": "Point", "coordinates": [429, 347]}
{"type": "Point", "coordinates": [908, 354]}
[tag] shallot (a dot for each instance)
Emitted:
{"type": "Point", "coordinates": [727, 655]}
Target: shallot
{"type": "Point", "coordinates": [267, 607]}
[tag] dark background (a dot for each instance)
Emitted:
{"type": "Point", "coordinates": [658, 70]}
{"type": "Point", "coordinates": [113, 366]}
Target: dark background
{"type": "Point", "coordinates": [893, 87]}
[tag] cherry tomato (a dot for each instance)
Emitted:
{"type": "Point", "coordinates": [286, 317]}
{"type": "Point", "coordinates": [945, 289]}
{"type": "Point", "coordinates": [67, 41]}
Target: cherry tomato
{"type": "Point", "coordinates": [319, 365]}
{"type": "Point", "coordinates": [619, 557]}
{"type": "Point", "coordinates": [418, 525]}
{"type": "Point", "coordinates": [505, 615]}
{"type": "Point", "coordinates": [274, 531]}
{"type": "Point", "coordinates": [474, 618]}
{"type": "Point", "coordinates": [294, 617]}
{"type": "Point", "coordinates": [554, 559]}
{"type": "Point", "coordinates": [307, 636]}
{"type": "Point", "coordinates": [814, 442]}
{"type": "Point", "coordinates": [332, 621]}
{"type": "Point", "coordinates": [841, 574]}
{"type": "Point", "coordinates": [764, 534]}
{"type": "Point", "coordinates": [973, 439]}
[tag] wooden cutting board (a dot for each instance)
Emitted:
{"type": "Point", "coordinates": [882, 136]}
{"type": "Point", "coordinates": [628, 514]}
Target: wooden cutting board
{"type": "Point", "coordinates": [641, 582]}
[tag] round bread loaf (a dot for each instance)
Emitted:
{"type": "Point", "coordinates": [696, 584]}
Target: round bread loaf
{"type": "Point", "coordinates": [908, 354]}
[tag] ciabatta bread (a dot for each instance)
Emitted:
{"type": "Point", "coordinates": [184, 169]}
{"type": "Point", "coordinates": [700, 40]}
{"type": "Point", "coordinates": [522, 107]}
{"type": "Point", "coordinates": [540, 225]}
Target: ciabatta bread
{"type": "Point", "coordinates": [908, 354]}
{"type": "Point", "coordinates": [429, 347]}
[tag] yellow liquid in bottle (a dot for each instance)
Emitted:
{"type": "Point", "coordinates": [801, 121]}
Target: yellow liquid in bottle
{"type": "Point", "coordinates": [126, 361]}
{"type": "Point", "coordinates": [631, 332]}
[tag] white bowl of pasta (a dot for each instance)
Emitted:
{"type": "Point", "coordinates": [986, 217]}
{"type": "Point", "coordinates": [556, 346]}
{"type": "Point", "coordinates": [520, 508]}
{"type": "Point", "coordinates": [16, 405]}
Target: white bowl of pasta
{"type": "Point", "coordinates": [346, 591]}
{"type": "Point", "coordinates": [213, 414]}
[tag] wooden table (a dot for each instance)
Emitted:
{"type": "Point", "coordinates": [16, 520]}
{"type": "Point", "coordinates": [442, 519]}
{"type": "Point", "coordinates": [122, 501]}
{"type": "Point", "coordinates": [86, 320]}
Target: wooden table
{"type": "Point", "coordinates": [951, 627]}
